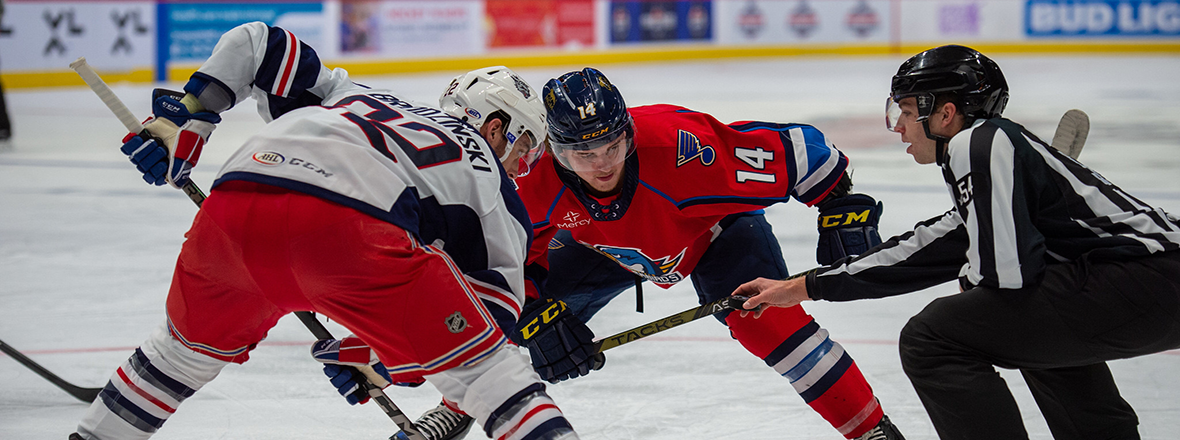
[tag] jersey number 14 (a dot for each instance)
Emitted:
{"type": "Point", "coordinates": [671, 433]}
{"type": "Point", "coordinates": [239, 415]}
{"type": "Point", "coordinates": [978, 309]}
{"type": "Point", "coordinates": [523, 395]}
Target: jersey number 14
{"type": "Point", "coordinates": [756, 158]}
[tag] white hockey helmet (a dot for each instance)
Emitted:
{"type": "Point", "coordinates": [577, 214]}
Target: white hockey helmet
{"type": "Point", "coordinates": [477, 94]}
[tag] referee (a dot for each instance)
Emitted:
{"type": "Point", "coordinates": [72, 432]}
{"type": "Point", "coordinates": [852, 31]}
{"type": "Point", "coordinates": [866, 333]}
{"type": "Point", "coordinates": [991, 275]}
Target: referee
{"type": "Point", "coordinates": [1060, 269]}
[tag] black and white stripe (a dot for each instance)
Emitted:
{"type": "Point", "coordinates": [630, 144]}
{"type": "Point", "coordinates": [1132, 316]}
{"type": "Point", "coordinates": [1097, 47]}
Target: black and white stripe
{"type": "Point", "coordinates": [1030, 203]}
{"type": "Point", "coordinates": [1019, 205]}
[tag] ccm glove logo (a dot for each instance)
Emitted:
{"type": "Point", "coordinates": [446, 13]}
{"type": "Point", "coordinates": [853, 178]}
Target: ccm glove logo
{"type": "Point", "coordinates": [547, 316]}
{"type": "Point", "coordinates": [844, 219]}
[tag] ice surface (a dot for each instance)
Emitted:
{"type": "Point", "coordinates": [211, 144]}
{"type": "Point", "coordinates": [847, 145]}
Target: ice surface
{"type": "Point", "coordinates": [87, 249]}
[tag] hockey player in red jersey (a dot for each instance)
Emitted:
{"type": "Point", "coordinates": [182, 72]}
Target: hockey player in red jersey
{"type": "Point", "coordinates": [391, 218]}
{"type": "Point", "coordinates": [662, 193]}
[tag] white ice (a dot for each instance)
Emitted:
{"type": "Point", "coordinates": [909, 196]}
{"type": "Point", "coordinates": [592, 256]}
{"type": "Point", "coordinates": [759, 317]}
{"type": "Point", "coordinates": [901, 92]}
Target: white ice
{"type": "Point", "coordinates": [87, 249]}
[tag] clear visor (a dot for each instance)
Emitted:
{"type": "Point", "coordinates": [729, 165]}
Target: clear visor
{"type": "Point", "coordinates": [597, 154]}
{"type": "Point", "coordinates": [530, 157]}
{"type": "Point", "coordinates": [892, 113]}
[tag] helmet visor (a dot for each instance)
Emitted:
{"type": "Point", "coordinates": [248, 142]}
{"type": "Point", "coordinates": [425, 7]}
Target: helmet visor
{"type": "Point", "coordinates": [599, 153]}
{"type": "Point", "coordinates": [894, 116]}
{"type": "Point", "coordinates": [529, 151]}
{"type": "Point", "coordinates": [892, 113]}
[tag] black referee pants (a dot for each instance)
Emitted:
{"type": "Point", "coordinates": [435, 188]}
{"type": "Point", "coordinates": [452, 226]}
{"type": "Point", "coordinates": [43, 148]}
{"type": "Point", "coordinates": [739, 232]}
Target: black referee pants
{"type": "Point", "coordinates": [1058, 335]}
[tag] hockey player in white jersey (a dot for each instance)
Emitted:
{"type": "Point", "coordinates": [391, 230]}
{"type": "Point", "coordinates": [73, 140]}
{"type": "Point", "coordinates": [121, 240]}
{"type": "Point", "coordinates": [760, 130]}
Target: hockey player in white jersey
{"type": "Point", "coordinates": [391, 218]}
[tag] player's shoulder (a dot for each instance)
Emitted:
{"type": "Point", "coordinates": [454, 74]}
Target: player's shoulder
{"type": "Point", "coordinates": [654, 114]}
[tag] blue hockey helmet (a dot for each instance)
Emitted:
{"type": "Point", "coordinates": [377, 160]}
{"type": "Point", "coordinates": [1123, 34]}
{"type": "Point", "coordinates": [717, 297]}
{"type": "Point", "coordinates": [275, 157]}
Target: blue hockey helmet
{"type": "Point", "coordinates": [972, 78]}
{"type": "Point", "coordinates": [586, 113]}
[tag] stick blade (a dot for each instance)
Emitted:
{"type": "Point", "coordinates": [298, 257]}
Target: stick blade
{"type": "Point", "coordinates": [1072, 132]}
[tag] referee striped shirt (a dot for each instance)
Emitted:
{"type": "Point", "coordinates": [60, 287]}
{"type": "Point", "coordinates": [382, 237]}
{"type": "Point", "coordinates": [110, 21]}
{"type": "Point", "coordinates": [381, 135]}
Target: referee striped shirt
{"type": "Point", "coordinates": [1019, 205]}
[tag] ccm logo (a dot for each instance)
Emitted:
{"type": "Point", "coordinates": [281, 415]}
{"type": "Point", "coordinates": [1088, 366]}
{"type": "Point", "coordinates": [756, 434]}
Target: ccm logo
{"type": "Point", "coordinates": [829, 221]}
{"type": "Point", "coordinates": [547, 316]}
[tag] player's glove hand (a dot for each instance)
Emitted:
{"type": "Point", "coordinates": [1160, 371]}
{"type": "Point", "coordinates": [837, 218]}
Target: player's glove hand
{"type": "Point", "coordinates": [847, 226]}
{"type": "Point", "coordinates": [561, 346]}
{"type": "Point", "coordinates": [341, 358]}
{"type": "Point", "coordinates": [177, 136]}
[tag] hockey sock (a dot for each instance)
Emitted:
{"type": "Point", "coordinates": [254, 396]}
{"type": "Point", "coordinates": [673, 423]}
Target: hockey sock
{"type": "Point", "coordinates": [147, 388]}
{"type": "Point", "coordinates": [506, 396]}
{"type": "Point", "coordinates": [821, 372]}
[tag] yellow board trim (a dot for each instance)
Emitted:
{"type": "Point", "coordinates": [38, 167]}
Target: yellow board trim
{"type": "Point", "coordinates": [67, 77]}
{"type": "Point", "coordinates": [686, 53]}
{"type": "Point", "coordinates": [645, 54]}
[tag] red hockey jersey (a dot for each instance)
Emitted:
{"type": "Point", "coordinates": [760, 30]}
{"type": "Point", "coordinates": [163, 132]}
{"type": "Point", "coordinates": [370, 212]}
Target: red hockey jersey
{"type": "Point", "coordinates": [687, 173]}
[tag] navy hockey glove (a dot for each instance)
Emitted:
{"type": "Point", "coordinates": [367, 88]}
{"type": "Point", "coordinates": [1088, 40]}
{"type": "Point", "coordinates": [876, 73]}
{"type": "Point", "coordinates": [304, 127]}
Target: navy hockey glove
{"type": "Point", "coordinates": [341, 357]}
{"type": "Point", "coordinates": [847, 226]}
{"type": "Point", "coordinates": [561, 346]}
{"type": "Point", "coordinates": [177, 137]}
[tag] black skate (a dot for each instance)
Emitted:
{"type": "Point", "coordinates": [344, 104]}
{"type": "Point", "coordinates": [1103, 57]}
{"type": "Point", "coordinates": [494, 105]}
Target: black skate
{"type": "Point", "coordinates": [883, 431]}
{"type": "Point", "coordinates": [440, 423]}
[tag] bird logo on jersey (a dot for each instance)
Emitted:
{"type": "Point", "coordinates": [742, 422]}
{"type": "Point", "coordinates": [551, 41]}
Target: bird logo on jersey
{"type": "Point", "coordinates": [689, 148]}
{"type": "Point", "coordinates": [659, 271]}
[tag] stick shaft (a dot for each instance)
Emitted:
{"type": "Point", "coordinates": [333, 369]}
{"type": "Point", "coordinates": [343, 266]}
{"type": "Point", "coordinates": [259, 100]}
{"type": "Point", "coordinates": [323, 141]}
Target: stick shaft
{"type": "Point", "coordinates": [125, 116]}
{"type": "Point", "coordinates": [84, 394]}
{"type": "Point", "coordinates": [107, 96]}
{"type": "Point", "coordinates": [667, 322]}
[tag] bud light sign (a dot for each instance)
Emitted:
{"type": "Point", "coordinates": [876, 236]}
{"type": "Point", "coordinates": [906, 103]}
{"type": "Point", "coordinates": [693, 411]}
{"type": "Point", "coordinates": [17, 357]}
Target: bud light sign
{"type": "Point", "coordinates": [1102, 18]}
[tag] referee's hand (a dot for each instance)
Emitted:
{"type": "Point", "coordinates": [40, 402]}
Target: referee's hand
{"type": "Point", "coordinates": [765, 292]}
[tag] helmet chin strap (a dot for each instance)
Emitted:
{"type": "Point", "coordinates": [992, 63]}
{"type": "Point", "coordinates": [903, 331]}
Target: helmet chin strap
{"type": "Point", "coordinates": [939, 145]}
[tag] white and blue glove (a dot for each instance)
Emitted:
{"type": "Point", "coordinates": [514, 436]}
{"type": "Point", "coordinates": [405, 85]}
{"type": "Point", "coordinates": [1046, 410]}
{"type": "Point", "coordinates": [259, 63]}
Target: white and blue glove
{"type": "Point", "coordinates": [342, 358]}
{"type": "Point", "coordinates": [177, 136]}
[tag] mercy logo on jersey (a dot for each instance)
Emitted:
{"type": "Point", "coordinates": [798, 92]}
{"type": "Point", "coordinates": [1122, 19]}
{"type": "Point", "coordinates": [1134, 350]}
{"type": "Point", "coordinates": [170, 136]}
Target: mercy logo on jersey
{"type": "Point", "coordinates": [689, 147]}
{"type": "Point", "coordinates": [659, 271]}
{"type": "Point", "coordinates": [573, 219]}
{"type": "Point", "coordinates": [268, 158]}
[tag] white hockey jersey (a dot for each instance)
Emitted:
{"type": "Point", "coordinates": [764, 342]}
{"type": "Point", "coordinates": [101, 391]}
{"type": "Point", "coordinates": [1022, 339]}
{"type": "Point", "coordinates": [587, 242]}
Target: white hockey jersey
{"type": "Point", "coordinates": [408, 164]}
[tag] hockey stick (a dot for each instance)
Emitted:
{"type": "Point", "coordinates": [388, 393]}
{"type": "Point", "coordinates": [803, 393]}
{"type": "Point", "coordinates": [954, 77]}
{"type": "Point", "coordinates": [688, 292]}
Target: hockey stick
{"type": "Point", "coordinates": [317, 328]}
{"type": "Point", "coordinates": [195, 194]}
{"type": "Point", "coordinates": [1071, 133]}
{"type": "Point", "coordinates": [84, 394]}
{"type": "Point", "coordinates": [125, 116]}
{"type": "Point", "coordinates": [659, 325]}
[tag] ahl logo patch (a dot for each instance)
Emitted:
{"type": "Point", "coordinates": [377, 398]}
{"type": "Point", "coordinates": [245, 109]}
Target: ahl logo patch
{"type": "Point", "coordinates": [268, 158]}
{"type": "Point", "coordinates": [689, 147]}
{"type": "Point", "coordinates": [456, 323]}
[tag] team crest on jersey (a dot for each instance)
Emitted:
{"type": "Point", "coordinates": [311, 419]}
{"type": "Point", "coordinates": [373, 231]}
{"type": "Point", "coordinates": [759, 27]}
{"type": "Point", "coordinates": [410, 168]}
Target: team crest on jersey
{"type": "Point", "coordinates": [456, 323]}
{"type": "Point", "coordinates": [662, 270]}
{"type": "Point", "coordinates": [689, 148]}
{"type": "Point", "coordinates": [268, 158]}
